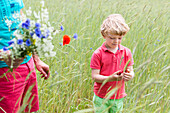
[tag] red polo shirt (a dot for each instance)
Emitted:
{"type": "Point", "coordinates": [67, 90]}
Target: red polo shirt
{"type": "Point", "coordinates": [108, 63]}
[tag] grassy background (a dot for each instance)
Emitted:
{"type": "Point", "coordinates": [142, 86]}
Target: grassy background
{"type": "Point", "coordinates": [70, 87]}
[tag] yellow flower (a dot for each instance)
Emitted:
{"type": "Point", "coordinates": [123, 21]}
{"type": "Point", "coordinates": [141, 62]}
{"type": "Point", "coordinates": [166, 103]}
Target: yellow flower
{"type": "Point", "coordinates": [29, 53]}
{"type": "Point", "coordinates": [34, 41]}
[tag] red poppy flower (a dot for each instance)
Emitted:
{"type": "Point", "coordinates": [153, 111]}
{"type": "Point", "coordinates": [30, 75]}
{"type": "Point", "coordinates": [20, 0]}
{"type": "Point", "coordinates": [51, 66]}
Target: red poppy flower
{"type": "Point", "coordinates": [66, 39]}
{"type": "Point", "coordinates": [127, 71]}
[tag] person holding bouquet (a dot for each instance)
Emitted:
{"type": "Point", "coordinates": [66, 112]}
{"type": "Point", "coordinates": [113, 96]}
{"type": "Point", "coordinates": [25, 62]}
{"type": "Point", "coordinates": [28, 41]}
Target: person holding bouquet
{"type": "Point", "coordinates": [15, 84]}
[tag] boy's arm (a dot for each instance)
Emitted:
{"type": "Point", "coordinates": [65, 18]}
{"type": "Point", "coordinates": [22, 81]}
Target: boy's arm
{"type": "Point", "coordinates": [100, 78]}
{"type": "Point", "coordinates": [129, 75]}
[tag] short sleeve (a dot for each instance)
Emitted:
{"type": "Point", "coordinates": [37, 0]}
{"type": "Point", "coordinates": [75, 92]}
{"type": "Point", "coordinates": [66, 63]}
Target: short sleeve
{"type": "Point", "coordinates": [95, 61]}
{"type": "Point", "coordinates": [21, 4]}
{"type": "Point", "coordinates": [129, 56]}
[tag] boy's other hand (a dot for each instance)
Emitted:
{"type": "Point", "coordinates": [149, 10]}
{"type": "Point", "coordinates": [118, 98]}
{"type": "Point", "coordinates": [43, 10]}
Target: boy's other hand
{"type": "Point", "coordinates": [128, 75]}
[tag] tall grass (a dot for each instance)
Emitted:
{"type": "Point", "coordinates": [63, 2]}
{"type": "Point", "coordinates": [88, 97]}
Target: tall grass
{"type": "Point", "coordinates": [70, 87]}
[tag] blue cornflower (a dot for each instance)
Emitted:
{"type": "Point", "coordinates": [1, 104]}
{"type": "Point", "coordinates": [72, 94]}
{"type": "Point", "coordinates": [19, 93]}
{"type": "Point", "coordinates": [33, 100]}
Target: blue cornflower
{"type": "Point", "coordinates": [5, 48]}
{"type": "Point", "coordinates": [19, 41]}
{"type": "Point", "coordinates": [10, 42]}
{"type": "Point", "coordinates": [158, 40]}
{"type": "Point", "coordinates": [39, 35]}
{"type": "Point", "coordinates": [31, 34]}
{"type": "Point", "coordinates": [28, 42]}
{"type": "Point", "coordinates": [62, 28]}
{"type": "Point", "coordinates": [91, 48]}
{"type": "Point", "coordinates": [38, 32]}
{"type": "Point", "coordinates": [37, 25]}
{"type": "Point", "coordinates": [25, 25]}
{"type": "Point", "coordinates": [142, 38]}
{"type": "Point", "coordinates": [56, 72]}
{"type": "Point", "coordinates": [47, 33]}
{"type": "Point", "coordinates": [61, 44]}
{"type": "Point", "coordinates": [155, 44]}
{"type": "Point", "coordinates": [44, 36]}
{"type": "Point", "coordinates": [28, 22]}
{"type": "Point", "coordinates": [75, 36]}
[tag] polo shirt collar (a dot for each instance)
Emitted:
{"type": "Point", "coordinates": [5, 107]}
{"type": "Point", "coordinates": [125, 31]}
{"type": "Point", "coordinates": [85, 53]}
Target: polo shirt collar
{"type": "Point", "coordinates": [120, 47]}
{"type": "Point", "coordinates": [104, 47]}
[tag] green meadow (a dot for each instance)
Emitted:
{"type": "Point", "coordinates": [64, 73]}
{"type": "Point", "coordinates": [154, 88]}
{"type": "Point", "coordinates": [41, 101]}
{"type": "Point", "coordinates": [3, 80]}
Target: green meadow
{"type": "Point", "coordinates": [70, 86]}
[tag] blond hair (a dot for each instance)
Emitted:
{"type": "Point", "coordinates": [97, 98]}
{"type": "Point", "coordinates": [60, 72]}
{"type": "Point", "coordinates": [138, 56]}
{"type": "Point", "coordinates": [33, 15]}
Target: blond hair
{"type": "Point", "coordinates": [114, 24]}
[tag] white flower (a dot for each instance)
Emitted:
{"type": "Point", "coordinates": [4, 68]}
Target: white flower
{"type": "Point", "coordinates": [18, 35]}
{"type": "Point", "coordinates": [46, 55]}
{"type": "Point", "coordinates": [38, 21]}
{"type": "Point", "coordinates": [15, 32]}
{"type": "Point", "coordinates": [34, 36]}
{"type": "Point", "coordinates": [4, 54]}
{"type": "Point", "coordinates": [52, 53]}
{"type": "Point", "coordinates": [16, 15]}
{"type": "Point", "coordinates": [50, 37]}
{"type": "Point", "coordinates": [37, 15]}
{"type": "Point", "coordinates": [23, 18]}
{"type": "Point", "coordinates": [44, 26]}
{"type": "Point", "coordinates": [42, 29]}
{"type": "Point", "coordinates": [42, 3]}
{"type": "Point", "coordinates": [29, 12]}
{"type": "Point", "coordinates": [51, 29]}
{"type": "Point", "coordinates": [15, 40]}
{"type": "Point", "coordinates": [8, 22]}
{"type": "Point", "coordinates": [32, 23]}
{"type": "Point", "coordinates": [44, 15]}
{"type": "Point", "coordinates": [56, 32]}
{"type": "Point", "coordinates": [49, 24]}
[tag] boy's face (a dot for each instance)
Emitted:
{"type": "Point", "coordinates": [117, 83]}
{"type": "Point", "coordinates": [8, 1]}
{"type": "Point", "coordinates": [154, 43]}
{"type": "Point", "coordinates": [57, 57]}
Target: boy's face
{"type": "Point", "coordinates": [112, 41]}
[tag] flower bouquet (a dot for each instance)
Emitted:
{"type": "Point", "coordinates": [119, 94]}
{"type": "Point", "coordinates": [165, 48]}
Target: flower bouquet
{"type": "Point", "coordinates": [32, 35]}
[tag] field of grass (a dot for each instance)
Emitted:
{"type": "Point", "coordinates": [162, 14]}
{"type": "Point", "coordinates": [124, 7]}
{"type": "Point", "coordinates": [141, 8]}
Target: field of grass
{"type": "Point", "coordinates": [70, 86]}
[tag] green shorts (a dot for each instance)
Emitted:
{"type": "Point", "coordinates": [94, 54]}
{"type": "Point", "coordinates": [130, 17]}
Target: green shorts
{"type": "Point", "coordinates": [110, 106]}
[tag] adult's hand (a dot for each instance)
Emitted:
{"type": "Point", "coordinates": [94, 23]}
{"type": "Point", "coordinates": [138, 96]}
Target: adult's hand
{"type": "Point", "coordinates": [16, 61]}
{"type": "Point", "coordinates": [41, 67]}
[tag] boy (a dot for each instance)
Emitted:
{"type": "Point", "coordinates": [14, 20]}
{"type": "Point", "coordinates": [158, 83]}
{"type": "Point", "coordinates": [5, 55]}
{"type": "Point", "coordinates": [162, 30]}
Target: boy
{"type": "Point", "coordinates": [108, 62]}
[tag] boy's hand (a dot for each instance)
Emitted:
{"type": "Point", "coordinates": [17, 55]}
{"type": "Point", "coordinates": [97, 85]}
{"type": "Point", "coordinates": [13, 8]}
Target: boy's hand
{"type": "Point", "coordinates": [116, 76]}
{"type": "Point", "coordinates": [128, 75]}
